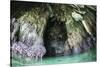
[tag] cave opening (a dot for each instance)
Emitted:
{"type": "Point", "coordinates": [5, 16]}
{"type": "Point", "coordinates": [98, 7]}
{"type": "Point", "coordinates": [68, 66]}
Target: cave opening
{"type": "Point", "coordinates": [55, 35]}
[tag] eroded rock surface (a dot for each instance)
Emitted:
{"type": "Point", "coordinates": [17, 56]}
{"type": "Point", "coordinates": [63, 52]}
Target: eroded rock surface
{"type": "Point", "coordinates": [52, 30]}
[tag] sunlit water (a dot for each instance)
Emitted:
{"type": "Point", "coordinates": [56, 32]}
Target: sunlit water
{"type": "Point", "coordinates": [89, 56]}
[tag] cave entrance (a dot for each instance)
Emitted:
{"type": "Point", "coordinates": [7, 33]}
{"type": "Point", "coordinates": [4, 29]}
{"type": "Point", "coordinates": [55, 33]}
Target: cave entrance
{"type": "Point", "coordinates": [55, 35]}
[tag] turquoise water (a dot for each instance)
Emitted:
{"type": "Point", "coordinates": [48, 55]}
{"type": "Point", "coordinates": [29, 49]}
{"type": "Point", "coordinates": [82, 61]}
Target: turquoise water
{"type": "Point", "coordinates": [88, 56]}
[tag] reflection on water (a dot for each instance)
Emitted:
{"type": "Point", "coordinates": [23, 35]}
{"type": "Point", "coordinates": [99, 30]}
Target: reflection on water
{"type": "Point", "coordinates": [84, 57]}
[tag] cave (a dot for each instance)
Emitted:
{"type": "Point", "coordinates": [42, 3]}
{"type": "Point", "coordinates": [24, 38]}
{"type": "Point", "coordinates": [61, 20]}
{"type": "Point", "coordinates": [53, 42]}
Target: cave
{"type": "Point", "coordinates": [55, 35]}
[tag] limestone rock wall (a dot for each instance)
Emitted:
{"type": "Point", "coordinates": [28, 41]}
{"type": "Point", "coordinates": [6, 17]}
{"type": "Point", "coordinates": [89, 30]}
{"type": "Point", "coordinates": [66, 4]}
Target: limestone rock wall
{"type": "Point", "coordinates": [65, 28]}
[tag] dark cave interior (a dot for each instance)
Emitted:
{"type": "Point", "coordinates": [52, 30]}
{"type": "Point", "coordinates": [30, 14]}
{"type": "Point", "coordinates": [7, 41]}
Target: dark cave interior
{"type": "Point", "coordinates": [54, 37]}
